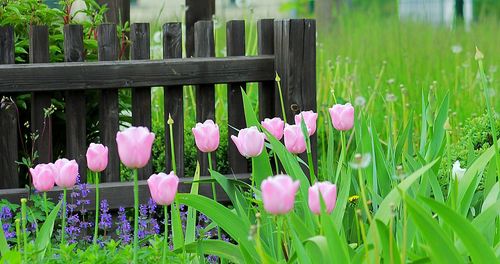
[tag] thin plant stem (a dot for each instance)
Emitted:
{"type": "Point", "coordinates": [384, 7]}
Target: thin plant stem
{"type": "Point", "coordinates": [63, 227]}
{"type": "Point", "coordinates": [275, 163]}
{"type": "Point", "coordinates": [214, 192]}
{"type": "Point", "coordinates": [136, 214]}
{"type": "Point", "coordinates": [18, 233]}
{"type": "Point", "coordinates": [46, 209]}
{"type": "Point", "coordinates": [165, 240]}
{"type": "Point", "coordinates": [491, 112]}
{"type": "Point", "coordinates": [25, 234]}
{"type": "Point", "coordinates": [172, 148]}
{"type": "Point", "coordinates": [278, 236]}
{"type": "Point", "coordinates": [278, 81]}
{"type": "Point", "coordinates": [97, 201]}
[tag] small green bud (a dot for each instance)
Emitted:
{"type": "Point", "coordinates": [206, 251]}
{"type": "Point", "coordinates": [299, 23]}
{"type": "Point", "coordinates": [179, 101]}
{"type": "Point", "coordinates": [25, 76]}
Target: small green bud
{"type": "Point", "coordinates": [24, 200]}
{"type": "Point", "coordinates": [170, 120]}
{"type": "Point", "coordinates": [479, 55]}
{"type": "Point", "coordinates": [277, 78]}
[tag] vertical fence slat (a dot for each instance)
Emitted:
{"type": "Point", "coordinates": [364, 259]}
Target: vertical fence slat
{"type": "Point", "coordinates": [76, 133]}
{"type": "Point", "coordinates": [141, 97]}
{"type": "Point", "coordinates": [196, 10]}
{"type": "Point", "coordinates": [8, 119]}
{"type": "Point", "coordinates": [39, 53]}
{"type": "Point", "coordinates": [204, 46]}
{"type": "Point", "coordinates": [173, 98]}
{"type": "Point", "coordinates": [265, 31]}
{"type": "Point", "coordinates": [295, 50]}
{"type": "Point", "coordinates": [108, 104]}
{"type": "Point", "coordinates": [235, 38]}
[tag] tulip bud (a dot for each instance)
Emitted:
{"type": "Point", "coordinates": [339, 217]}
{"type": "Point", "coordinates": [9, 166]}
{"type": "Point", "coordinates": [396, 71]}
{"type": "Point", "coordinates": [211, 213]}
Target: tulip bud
{"type": "Point", "coordinates": [250, 142]}
{"type": "Point", "coordinates": [43, 177]}
{"type": "Point", "coordinates": [134, 146]}
{"type": "Point", "coordinates": [278, 194]}
{"type": "Point", "coordinates": [328, 192]}
{"type": "Point", "coordinates": [66, 172]}
{"type": "Point", "coordinates": [294, 139]}
{"type": "Point", "coordinates": [206, 136]}
{"type": "Point", "coordinates": [309, 118]}
{"type": "Point", "coordinates": [342, 116]}
{"type": "Point", "coordinates": [274, 126]}
{"type": "Point", "coordinates": [97, 157]}
{"type": "Point", "coordinates": [163, 187]}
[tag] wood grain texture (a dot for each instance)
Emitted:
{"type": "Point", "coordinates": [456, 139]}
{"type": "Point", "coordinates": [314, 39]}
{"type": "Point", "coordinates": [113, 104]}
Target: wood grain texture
{"type": "Point", "coordinates": [108, 104]}
{"type": "Point", "coordinates": [196, 10]}
{"type": "Point", "coordinates": [141, 97]}
{"type": "Point", "coordinates": [75, 107]}
{"type": "Point", "coordinates": [121, 193]}
{"type": "Point", "coordinates": [204, 46]}
{"type": "Point", "coordinates": [174, 99]}
{"type": "Point", "coordinates": [112, 74]}
{"type": "Point", "coordinates": [235, 44]}
{"type": "Point", "coordinates": [8, 119]}
{"type": "Point", "coordinates": [295, 50]}
{"type": "Point", "coordinates": [40, 124]}
{"type": "Point", "coordinates": [267, 91]}
{"type": "Point", "coordinates": [118, 13]}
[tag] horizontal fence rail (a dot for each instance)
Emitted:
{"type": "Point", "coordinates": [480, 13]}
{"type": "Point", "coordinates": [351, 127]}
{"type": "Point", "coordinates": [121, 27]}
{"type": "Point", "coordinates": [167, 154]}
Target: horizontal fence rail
{"type": "Point", "coordinates": [118, 194]}
{"type": "Point", "coordinates": [137, 73]}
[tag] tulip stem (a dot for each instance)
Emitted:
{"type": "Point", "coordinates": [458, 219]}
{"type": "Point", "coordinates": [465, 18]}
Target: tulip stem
{"type": "Point", "coordinates": [63, 226]}
{"type": "Point", "coordinates": [214, 192]}
{"type": "Point", "coordinates": [165, 240]}
{"type": "Point", "coordinates": [278, 235]}
{"type": "Point", "coordinates": [363, 195]}
{"type": "Point", "coordinates": [136, 214]}
{"type": "Point", "coordinates": [97, 201]}
{"type": "Point", "coordinates": [46, 209]}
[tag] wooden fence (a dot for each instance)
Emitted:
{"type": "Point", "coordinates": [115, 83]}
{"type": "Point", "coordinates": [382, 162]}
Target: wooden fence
{"type": "Point", "coordinates": [286, 47]}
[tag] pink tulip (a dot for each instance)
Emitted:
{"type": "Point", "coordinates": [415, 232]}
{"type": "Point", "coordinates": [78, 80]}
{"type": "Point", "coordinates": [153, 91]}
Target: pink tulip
{"type": "Point", "coordinates": [206, 136]}
{"type": "Point", "coordinates": [309, 118]}
{"type": "Point", "coordinates": [43, 177]}
{"type": "Point", "coordinates": [163, 187]}
{"type": "Point", "coordinates": [134, 146]}
{"type": "Point", "coordinates": [295, 141]}
{"type": "Point", "coordinates": [66, 172]}
{"type": "Point", "coordinates": [278, 194]}
{"type": "Point", "coordinates": [97, 157]}
{"type": "Point", "coordinates": [250, 142]}
{"type": "Point", "coordinates": [275, 126]}
{"type": "Point", "coordinates": [328, 192]}
{"type": "Point", "coordinates": [342, 116]}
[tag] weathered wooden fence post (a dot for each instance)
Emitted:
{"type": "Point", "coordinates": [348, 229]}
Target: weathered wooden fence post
{"type": "Point", "coordinates": [196, 10]}
{"type": "Point", "coordinates": [141, 97]}
{"type": "Point", "coordinates": [174, 99]}
{"type": "Point", "coordinates": [204, 46]}
{"type": "Point", "coordinates": [76, 132]}
{"type": "Point", "coordinates": [40, 123]}
{"type": "Point", "coordinates": [295, 51]}
{"type": "Point", "coordinates": [108, 104]}
{"type": "Point", "coordinates": [8, 119]}
{"type": "Point", "coordinates": [235, 38]}
{"type": "Point", "coordinates": [267, 99]}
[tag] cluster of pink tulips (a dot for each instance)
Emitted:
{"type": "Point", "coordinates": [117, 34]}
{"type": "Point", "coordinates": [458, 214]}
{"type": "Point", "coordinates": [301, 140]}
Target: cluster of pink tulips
{"type": "Point", "coordinates": [278, 195]}
{"type": "Point", "coordinates": [134, 149]}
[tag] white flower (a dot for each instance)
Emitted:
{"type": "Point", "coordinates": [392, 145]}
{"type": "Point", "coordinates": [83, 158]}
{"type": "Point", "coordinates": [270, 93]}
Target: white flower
{"type": "Point", "coordinates": [456, 171]}
{"type": "Point", "coordinates": [456, 48]}
{"type": "Point", "coordinates": [360, 101]}
{"type": "Point", "coordinates": [361, 161]}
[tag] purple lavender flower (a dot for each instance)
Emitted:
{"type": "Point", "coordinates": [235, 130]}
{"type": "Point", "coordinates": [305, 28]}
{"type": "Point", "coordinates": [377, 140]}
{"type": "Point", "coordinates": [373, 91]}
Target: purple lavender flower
{"type": "Point", "coordinates": [72, 229]}
{"type": "Point", "coordinates": [5, 213]}
{"type": "Point", "coordinates": [105, 221]}
{"type": "Point", "coordinates": [124, 226]}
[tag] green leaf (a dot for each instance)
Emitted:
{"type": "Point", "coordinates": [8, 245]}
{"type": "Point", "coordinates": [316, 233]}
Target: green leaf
{"type": "Point", "coordinates": [191, 214]}
{"type": "Point", "coordinates": [384, 236]}
{"type": "Point", "coordinates": [215, 247]}
{"type": "Point", "coordinates": [234, 195]}
{"type": "Point", "coordinates": [262, 163]}
{"type": "Point", "coordinates": [439, 245]}
{"type": "Point", "coordinates": [299, 248]}
{"type": "Point", "coordinates": [227, 220]}
{"type": "Point", "coordinates": [43, 238]}
{"type": "Point", "coordinates": [337, 246]}
{"type": "Point", "coordinates": [470, 176]}
{"type": "Point", "coordinates": [177, 233]}
{"type": "Point", "coordinates": [475, 243]}
{"type": "Point", "coordinates": [321, 244]}
{"type": "Point", "coordinates": [4, 246]}
{"type": "Point", "coordinates": [394, 197]}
